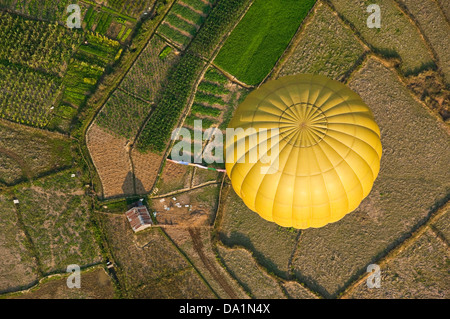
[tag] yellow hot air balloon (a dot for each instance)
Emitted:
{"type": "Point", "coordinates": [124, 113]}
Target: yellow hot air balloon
{"type": "Point", "coordinates": [305, 151]}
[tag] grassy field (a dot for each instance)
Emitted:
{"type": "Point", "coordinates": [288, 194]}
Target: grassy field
{"type": "Point", "coordinates": [411, 182]}
{"type": "Point", "coordinates": [261, 37]}
{"type": "Point", "coordinates": [270, 244]}
{"type": "Point", "coordinates": [435, 28]}
{"type": "Point", "coordinates": [294, 290]}
{"type": "Point", "coordinates": [173, 177]}
{"type": "Point", "coordinates": [96, 284]}
{"type": "Point", "coordinates": [148, 74]}
{"type": "Point", "coordinates": [55, 213]}
{"type": "Point", "coordinates": [241, 265]}
{"type": "Point", "coordinates": [418, 272]}
{"type": "Point", "coordinates": [18, 266]}
{"type": "Point", "coordinates": [397, 37]}
{"type": "Point", "coordinates": [196, 244]}
{"type": "Point", "coordinates": [332, 53]}
{"type": "Point", "coordinates": [28, 153]}
{"type": "Point", "coordinates": [123, 114]}
{"type": "Point", "coordinates": [150, 267]}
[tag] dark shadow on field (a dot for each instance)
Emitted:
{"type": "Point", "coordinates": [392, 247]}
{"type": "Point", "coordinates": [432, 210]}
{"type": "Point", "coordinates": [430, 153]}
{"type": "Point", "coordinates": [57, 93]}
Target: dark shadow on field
{"type": "Point", "coordinates": [131, 184]}
{"type": "Point", "coordinates": [240, 240]}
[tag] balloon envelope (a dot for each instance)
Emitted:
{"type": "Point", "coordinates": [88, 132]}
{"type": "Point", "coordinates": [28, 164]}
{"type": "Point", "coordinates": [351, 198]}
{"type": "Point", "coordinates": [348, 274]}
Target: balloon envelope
{"type": "Point", "coordinates": [303, 151]}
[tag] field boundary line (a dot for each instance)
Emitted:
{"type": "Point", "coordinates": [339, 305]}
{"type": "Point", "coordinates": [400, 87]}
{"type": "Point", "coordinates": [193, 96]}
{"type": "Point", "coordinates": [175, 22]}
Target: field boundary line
{"type": "Point", "coordinates": [184, 190]}
{"type": "Point", "coordinates": [410, 238]}
{"type": "Point", "coordinates": [135, 96]}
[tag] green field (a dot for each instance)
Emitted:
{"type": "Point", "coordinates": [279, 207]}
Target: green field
{"type": "Point", "coordinates": [261, 37]}
{"type": "Point", "coordinates": [58, 223]}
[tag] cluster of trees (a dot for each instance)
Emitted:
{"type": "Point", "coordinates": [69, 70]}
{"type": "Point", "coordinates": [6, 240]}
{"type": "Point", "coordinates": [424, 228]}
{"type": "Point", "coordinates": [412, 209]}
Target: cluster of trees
{"type": "Point", "coordinates": [26, 95]}
{"type": "Point", "coordinates": [36, 44]}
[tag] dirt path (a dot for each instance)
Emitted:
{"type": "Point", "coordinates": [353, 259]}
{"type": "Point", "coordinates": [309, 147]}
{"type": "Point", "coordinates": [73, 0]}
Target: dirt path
{"type": "Point", "coordinates": [198, 246]}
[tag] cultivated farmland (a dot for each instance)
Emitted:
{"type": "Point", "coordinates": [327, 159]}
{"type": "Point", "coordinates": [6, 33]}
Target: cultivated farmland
{"type": "Point", "coordinates": [435, 28]}
{"type": "Point", "coordinates": [148, 75]}
{"type": "Point", "coordinates": [55, 213]}
{"type": "Point", "coordinates": [123, 114]}
{"type": "Point", "coordinates": [96, 285]}
{"type": "Point", "coordinates": [151, 267]}
{"type": "Point", "coordinates": [18, 266]}
{"type": "Point", "coordinates": [111, 158]}
{"type": "Point", "coordinates": [398, 36]}
{"type": "Point", "coordinates": [270, 244]}
{"type": "Point", "coordinates": [175, 96]}
{"type": "Point", "coordinates": [260, 38]}
{"type": "Point", "coordinates": [30, 153]}
{"type": "Point", "coordinates": [215, 100]}
{"type": "Point", "coordinates": [184, 20]}
{"type": "Point", "coordinates": [412, 180]}
{"type": "Point", "coordinates": [196, 244]}
{"type": "Point", "coordinates": [333, 53]}
{"type": "Point", "coordinates": [418, 272]}
{"type": "Point", "coordinates": [242, 266]}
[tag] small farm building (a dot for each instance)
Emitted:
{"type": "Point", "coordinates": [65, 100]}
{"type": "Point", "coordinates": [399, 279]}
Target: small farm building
{"type": "Point", "coordinates": [139, 217]}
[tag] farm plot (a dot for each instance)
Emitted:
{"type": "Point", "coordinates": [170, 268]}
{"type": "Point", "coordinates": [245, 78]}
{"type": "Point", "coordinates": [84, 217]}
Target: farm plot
{"type": "Point", "coordinates": [215, 100]}
{"type": "Point", "coordinates": [270, 244]}
{"type": "Point", "coordinates": [148, 75]}
{"type": "Point", "coordinates": [96, 284]}
{"type": "Point", "coordinates": [184, 20]}
{"type": "Point", "coordinates": [418, 272]}
{"type": "Point", "coordinates": [173, 177]}
{"type": "Point", "coordinates": [48, 46]}
{"type": "Point", "coordinates": [412, 180]}
{"type": "Point", "coordinates": [242, 266]}
{"type": "Point", "coordinates": [107, 21]}
{"type": "Point", "coordinates": [435, 28]}
{"type": "Point", "coordinates": [123, 114]}
{"type": "Point", "coordinates": [87, 66]}
{"type": "Point", "coordinates": [50, 10]}
{"type": "Point", "coordinates": [196, 244]}
{"type": "Point", "coordinates": [110, 155]}
{"type": "Point", "coordinates": [148, 264]}
{"type": "Point", "coordinates": [55, 213]}
{"type": "Point", "coordinates": [397, 37]}
{"type": "Point", "coordinates": [261, 37]}
{"type": "Point", "coordinates": [18, 267]}
{"type": "Point", "coordinates": [325, 47]}
{"type": "Point", "coordinates": [27, 95]}
{"type": "Point", "coordinates": [28, 153]}
{"type": "Point", "coordinates": [146, 167]}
